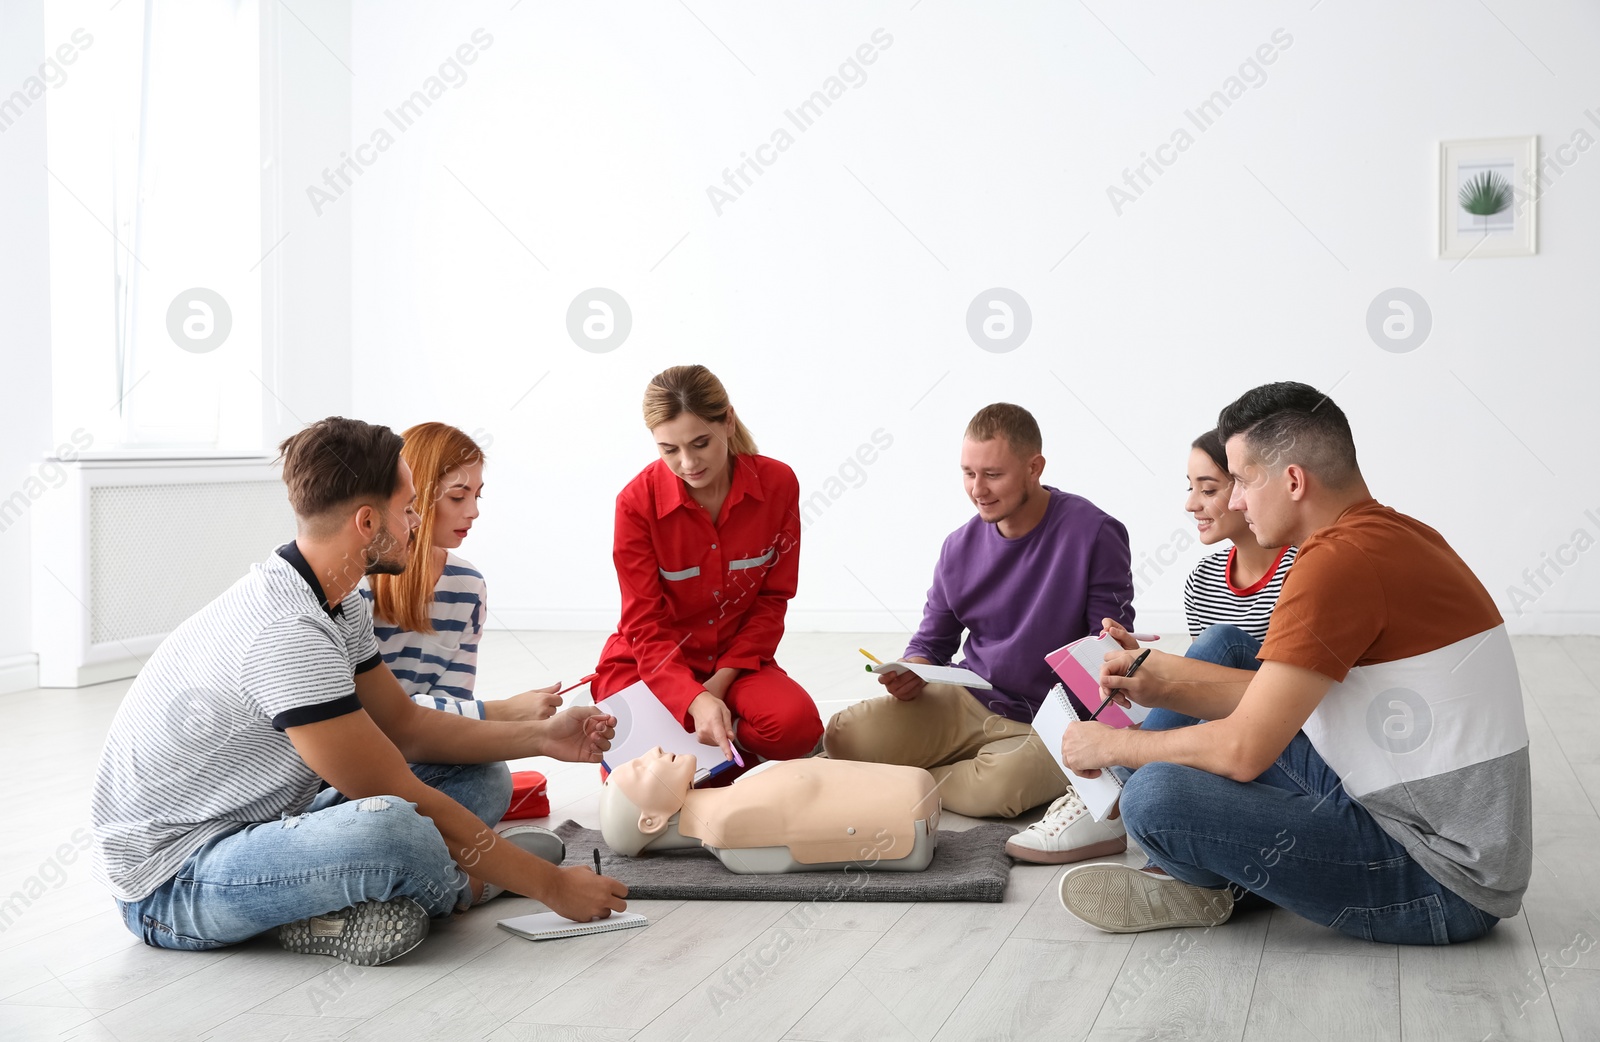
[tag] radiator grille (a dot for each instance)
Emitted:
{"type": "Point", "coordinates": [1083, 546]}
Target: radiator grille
{"type": "Point", "coordinates": [160, 552]}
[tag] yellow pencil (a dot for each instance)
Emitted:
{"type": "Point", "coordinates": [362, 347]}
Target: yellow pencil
{"type": "Point", "coordinates": [870, 655]}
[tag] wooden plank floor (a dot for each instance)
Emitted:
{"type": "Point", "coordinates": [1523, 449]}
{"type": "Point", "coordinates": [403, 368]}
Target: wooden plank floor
{"type": "Point", "coordinates": [704, 970]}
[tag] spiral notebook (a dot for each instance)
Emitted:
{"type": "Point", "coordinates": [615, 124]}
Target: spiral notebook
{"type": "Point", "coordinates": [1056, 714]}
{"type": "Point", "coordinates": [549, 926]}
{"type": "Point", "coordinates": [1078, 665]}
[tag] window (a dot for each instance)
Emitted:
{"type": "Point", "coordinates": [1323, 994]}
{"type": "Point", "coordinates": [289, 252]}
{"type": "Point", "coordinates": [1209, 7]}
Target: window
{"type": "Point", "coordinates": [154, 158]}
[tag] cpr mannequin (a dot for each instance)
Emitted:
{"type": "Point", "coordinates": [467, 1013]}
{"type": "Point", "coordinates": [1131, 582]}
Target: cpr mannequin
{"type": "Point", "coordinates": [785, 816]}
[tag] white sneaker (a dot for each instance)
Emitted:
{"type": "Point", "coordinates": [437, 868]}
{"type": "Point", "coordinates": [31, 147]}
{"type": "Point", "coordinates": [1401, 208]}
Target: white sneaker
{"type": "Point", "coordinates": [1068, 832]}
{"type": "Point", "coordinates": [1121, 899]}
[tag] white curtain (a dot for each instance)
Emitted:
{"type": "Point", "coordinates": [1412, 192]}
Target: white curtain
{"type": "Point", "coordinates": [188, 172]}
{"type": "Point", "coordinates": [154, 145]}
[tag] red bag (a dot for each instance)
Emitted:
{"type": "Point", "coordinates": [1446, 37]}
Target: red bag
{"type": "Point", "coordinates": [528, 796]}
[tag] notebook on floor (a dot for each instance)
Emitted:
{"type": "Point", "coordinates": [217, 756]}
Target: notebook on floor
{"type": "Point", "coordinates": [549, 926]}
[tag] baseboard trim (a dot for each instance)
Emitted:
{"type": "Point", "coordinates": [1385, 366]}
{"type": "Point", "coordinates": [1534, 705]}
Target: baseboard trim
{"type": "Point", "coordinates": [1555, 624]}
{"type": "Point", "coordinates": [906, 620]}
{"type": "Point", "coordinates": [575, 620]}
{"type": "Point", "coordinates": [805, 620]}
{"type": "Point", "coordinates": [812, 621]}
{"type": "Point", "coordinates": [19, 673]}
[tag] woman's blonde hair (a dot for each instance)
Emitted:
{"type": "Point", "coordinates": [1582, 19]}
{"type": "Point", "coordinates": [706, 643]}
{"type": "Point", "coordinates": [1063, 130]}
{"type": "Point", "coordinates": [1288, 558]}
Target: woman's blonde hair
{"type": "Point", "coordinates": [431, 450]}
{"type": "Point", "coordinates": [694, 389]}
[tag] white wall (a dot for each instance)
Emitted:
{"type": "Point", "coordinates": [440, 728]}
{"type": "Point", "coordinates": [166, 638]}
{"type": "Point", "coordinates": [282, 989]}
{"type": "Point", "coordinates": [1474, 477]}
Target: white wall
{"type": "Point", "coordinates": [305, 279]}
{"type": "Point", "coordinates": [832, 296]}
{"type": "Point", "coordinates": [24, 330]}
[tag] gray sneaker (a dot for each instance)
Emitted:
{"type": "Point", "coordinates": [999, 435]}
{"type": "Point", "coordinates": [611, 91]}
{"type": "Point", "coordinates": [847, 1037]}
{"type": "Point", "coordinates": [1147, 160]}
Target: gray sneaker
{"type": "Point", "coordinates": [368, 934]}
{"type": "Point", "coordinates": [540, 842]}
{"type": "Point", "coordinates": [1121, 899]}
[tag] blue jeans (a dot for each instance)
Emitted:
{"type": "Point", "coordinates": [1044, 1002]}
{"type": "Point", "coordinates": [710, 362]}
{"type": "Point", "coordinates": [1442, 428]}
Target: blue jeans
{"type": "Point", "coordinates": [1226, 646]}
{"type": "Point", "coordinates": [1293, 836]}
{"type": "Point", "coordinates": [1223, 645]}
{"type": "Point", "coordinates": [1297, 839]}
{"type": "Point", "coordinates": [335, 854]}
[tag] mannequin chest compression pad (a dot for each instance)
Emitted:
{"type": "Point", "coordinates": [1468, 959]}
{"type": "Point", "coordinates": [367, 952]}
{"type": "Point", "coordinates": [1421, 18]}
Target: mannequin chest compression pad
{"type": "Point", "coordinates": [822, 810]}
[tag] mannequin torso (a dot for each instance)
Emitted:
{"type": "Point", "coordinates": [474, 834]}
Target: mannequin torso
{"type": "Point", "coordinates": [790, 816]}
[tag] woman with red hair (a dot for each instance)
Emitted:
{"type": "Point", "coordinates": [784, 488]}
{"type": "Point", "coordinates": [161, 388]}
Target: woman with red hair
{"type": "Point", "coordinates": [429, 618]}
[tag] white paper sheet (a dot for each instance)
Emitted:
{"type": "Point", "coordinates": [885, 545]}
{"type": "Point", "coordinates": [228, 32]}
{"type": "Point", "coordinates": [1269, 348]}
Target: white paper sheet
{"type": "Point", "coordinates": [938, 674]}
{"type": "Point", "coordinates": [644, 723]}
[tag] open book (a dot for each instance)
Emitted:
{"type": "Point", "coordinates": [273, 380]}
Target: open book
{"type": "Point", "coordinates": [644, 723]}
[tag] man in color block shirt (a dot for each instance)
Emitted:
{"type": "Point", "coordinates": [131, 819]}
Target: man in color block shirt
{"type": "Point", "coordinates": [1373, 776]}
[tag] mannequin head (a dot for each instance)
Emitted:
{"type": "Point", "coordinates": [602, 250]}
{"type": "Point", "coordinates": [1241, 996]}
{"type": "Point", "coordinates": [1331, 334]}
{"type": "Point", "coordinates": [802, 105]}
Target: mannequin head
{"type": "Point", "coordinates": [640, 798]}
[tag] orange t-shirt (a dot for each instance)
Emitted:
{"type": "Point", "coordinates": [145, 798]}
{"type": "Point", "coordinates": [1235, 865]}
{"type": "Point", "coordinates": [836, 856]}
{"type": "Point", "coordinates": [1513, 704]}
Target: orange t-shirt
{"type": "Point", "coordinates": [1424, 722]}
{"type": "Point", "coordinates": [1401, 591]}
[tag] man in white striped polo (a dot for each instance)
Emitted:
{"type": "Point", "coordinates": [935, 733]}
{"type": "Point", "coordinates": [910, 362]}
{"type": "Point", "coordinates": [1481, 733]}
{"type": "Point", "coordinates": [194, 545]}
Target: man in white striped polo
{"type": "Point", "coordinates": [258, 773]}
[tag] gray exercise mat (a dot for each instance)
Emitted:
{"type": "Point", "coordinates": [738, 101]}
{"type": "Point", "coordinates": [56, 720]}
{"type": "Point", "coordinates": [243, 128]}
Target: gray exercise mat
{"type": "Point", "coordinates": [967, 866]}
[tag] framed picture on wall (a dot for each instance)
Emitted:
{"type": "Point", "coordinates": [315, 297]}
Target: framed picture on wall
{"type": "Point", "coordinates": [1489, 197]}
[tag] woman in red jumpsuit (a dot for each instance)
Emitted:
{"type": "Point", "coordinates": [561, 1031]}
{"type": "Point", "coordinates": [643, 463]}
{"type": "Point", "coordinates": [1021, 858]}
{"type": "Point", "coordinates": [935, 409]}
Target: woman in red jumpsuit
{"type": "Point", "coordinates": [707, 554]}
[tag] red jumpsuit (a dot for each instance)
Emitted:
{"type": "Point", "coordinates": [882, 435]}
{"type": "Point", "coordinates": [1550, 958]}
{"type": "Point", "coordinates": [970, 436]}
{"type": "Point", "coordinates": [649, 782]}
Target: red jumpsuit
{"type": "Point", "coordinates": [698, 597]}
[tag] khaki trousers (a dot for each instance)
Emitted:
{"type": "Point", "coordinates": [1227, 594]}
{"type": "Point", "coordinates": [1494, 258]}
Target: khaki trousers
{"type": "Point", "coordinates": [987, 766]}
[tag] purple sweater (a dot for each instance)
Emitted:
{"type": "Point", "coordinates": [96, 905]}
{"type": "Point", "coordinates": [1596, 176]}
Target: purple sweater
{"type": "Point", "coordinates": [1019, 599]}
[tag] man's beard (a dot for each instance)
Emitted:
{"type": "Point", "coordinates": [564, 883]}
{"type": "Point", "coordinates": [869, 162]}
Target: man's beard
{"type": "Point", "coordinates": [387, 555]}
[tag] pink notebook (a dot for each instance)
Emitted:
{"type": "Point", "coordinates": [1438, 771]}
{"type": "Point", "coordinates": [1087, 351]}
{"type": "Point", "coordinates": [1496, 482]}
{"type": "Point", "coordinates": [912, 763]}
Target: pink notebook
{"type": "Point", "coordinates": [1078, 666]}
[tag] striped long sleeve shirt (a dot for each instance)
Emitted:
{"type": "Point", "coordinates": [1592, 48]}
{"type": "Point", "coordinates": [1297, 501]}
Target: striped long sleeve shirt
{"type": "Point", "coordinates": [440, 669]}
{"type": "Point", "coordinates": [1211, 599]}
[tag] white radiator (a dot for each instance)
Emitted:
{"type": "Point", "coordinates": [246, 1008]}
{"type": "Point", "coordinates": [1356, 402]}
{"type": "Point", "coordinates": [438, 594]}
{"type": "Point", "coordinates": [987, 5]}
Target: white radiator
{"type": "Point", "coordinates": [126, 549]}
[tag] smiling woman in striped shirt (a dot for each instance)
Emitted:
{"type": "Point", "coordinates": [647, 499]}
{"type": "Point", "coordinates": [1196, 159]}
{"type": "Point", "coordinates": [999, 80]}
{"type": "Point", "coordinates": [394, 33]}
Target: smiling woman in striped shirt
{"type": "Point", "coordinates": [429, 618]}
{"type": "Point", "coordinates": [1230, 595]}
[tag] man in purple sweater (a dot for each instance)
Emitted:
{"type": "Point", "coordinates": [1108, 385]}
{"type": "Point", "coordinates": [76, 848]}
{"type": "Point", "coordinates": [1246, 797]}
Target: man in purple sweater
{"type": "Point", "coordinates": [1036, 569]}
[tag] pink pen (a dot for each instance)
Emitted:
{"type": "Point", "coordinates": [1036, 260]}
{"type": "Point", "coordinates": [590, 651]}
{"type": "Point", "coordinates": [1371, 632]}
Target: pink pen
{"type": "Point", "coordinates": [1139, 636]}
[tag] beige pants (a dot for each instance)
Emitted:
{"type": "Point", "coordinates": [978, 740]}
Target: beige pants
{"type": "Point", "coordinates": [987, 766]}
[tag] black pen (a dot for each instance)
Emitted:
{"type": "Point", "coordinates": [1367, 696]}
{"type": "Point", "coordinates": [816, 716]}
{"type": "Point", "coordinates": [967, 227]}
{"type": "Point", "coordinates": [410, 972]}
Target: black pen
{"type": "Point", "coordinates": [597, 861]}
{"type": "Point", "coordinates": [1137, 662]}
